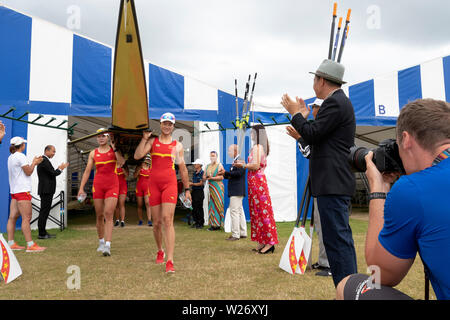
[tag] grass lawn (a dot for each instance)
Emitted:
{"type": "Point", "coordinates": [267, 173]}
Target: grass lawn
{"type": "Point", "coordinates": [207, 267]}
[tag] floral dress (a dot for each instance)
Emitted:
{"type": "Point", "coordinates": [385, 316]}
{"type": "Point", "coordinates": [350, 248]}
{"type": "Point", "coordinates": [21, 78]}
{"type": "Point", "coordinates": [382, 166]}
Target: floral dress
{"type": "Point", "coordinates": [263, 227]}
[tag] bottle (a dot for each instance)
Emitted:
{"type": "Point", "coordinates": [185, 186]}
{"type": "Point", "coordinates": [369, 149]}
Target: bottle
{"type": "Point", "coordinates": [186, 202]}
{"type": "Point", "coordinates": [82, 197]}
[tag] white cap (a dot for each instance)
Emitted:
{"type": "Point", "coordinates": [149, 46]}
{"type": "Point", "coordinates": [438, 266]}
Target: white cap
{"type": "Point", "coordinates": [167, 117]}
{"type": "Point", "coordinates": [198, 161]}
{"type": "Point", "coordinates": [17, 141]}
{"type": "Point", "coordinates": [317, 102]}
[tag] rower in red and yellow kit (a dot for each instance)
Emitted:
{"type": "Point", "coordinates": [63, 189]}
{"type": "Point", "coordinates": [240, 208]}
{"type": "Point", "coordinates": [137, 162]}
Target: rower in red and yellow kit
{"type": "Point", "coordinates": [105, 189]}
{"type": "Point", "coordinates": [142, 173]}
{"type": "Point", "coordinates": [122, 174]}
{"type": "Point", "coordinates": [165, 152]}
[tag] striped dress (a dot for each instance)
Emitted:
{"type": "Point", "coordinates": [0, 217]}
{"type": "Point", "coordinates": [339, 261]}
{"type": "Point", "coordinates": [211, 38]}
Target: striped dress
{"type": "Point", "coordinates": [216, 198]}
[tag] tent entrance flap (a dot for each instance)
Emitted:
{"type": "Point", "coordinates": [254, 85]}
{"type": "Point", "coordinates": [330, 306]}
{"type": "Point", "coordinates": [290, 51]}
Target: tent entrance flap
{"type": "Point", "coordinates": [129, 98]}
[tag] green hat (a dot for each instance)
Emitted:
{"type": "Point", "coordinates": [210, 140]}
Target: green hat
{"type": "Point", "coordinates": [331, 70]}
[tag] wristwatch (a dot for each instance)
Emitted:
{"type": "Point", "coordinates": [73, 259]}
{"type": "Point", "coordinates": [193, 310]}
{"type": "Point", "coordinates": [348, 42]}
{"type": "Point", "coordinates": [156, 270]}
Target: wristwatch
{"type": "Point", "coordinates": [377, 195]}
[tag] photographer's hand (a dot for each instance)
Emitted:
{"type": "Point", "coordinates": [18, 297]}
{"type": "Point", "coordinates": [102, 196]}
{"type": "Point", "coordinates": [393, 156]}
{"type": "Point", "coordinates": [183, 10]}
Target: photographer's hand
{"type": "Point", "coordinates": [378, 182]}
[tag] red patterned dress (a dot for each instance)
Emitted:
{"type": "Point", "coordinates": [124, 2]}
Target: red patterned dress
{"type": "Point", "coordinates": [263, 227]}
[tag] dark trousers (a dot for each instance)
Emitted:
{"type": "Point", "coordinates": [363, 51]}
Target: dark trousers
{"type": "Point", "coordinates": [337, 235]}
{"type": "Point", "coordinates": [46, 205]}
{"type": "Point", "coordinates": [197, 207]}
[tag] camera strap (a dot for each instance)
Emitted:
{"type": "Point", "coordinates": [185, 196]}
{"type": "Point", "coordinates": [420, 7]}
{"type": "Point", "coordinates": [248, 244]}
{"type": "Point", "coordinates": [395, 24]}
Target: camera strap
{"type": "Point", "coordinates": [443, 155]}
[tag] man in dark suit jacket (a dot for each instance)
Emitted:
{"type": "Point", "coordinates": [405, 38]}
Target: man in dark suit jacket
{"type": "Point", "coordinates": [236, 192]}
{"type": "Point", "coordinates": [46, 188]}
{"type": "Point", "coordinates": [332, 181]}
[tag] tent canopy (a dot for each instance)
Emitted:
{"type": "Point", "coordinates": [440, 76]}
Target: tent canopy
{"type": "Point", "coordinates": [47, 69]}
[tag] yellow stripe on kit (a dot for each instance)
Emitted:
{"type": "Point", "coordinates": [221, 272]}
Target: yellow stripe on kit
{"type": "Point", "coordinates": [163, 154]}
{"type": "Point", "coordinates": [105, 162]}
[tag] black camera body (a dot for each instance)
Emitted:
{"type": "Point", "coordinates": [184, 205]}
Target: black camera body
{"type": "Point", "coordinates": [386, 157]}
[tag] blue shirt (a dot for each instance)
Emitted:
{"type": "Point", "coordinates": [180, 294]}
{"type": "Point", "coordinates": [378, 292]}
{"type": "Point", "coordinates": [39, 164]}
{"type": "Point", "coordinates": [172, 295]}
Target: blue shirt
{"type": "Point", "coordinates": [196, 178]}
{"type": "Point", "coordinates": [417, 219]}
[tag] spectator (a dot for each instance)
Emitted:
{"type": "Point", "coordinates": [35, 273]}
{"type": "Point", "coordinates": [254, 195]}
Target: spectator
{"type": "Point", "coordinates": [263, 226]}
{"type": "Point", "coordinates": [214, 176]}
{"type": "Point", "coordinates": [330, 136]}
{"type": "Point", "coordinates": [414, 216]}
{"type": "Point", "coordinates": [19, 172]}
{"type": "Point", "coordinates": [322, 264]}
{"type": "Point", "coordinates": [236, 192]}
{"type": "Point", "coordinates": [198, 195]}
{"type": "Point", "coordinates": [46, 188]}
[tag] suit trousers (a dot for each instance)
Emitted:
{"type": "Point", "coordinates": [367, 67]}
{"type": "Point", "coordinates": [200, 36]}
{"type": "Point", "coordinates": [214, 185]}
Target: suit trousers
{"type": "Point", "coordinates": [197, 207]}
{"type": "Point", "coordinates": [337, 235]}
{"type": "Point", "coordinates": [238, 222]}
{"type": "Point", "coordinates": [46, 205]}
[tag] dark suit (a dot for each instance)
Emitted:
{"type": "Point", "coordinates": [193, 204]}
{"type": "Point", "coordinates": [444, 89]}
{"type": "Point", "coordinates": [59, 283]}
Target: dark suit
{"type": "Point", "coordinates": [332, 181]}
{"type": "Point", "coordinates": [236, 181]}
{"type": "Point", "coordinates": [46, 189]}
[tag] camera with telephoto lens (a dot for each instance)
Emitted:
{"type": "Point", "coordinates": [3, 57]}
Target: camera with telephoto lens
{"type": "Point", "coordinates": [386, 157]}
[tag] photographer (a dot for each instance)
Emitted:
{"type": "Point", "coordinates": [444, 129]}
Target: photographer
{"type": "Point", "coordinates": [413, 216]}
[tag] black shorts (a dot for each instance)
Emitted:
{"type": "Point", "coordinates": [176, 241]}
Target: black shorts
{"type": "Point", "coordinates": [358, 287]}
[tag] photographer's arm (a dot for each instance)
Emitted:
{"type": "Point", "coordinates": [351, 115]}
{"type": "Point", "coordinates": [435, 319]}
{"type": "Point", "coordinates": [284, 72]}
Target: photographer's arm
{"type": "Point", "coordinates": [392, 268]}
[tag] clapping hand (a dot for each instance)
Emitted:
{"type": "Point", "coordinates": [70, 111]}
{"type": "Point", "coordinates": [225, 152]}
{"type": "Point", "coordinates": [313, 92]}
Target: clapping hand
{"type": "Point", "coordinates": [63, 165]}
{"type": "Point", "coordinates": [293, 133]}
{"type": "Point", "coordinates": [37, 160]}
{"type": "Point", "coordinates": [239, 163]}
{"type": "Point", "coordinates": [294, 107]}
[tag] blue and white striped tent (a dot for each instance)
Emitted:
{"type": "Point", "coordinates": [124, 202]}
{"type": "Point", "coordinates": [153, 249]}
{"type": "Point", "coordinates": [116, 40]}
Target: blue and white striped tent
{"type": "Point", "coordinates": [47, 69]}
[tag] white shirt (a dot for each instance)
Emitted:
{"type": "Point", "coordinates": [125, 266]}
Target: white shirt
{"type": "Point", "coordinates": [18, 180]}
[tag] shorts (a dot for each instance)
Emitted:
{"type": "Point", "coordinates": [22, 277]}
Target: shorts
{"type": "Point", "coordinates": [105, 187]}
{"type": "Point", "coordinates": [123, 187]}
{"type": "Point", "coordinates": [142, 188]}
{"type": "Point", "coordinates": [358, 287]}
{"type": "Point", "coordinates": [163, 191]}
{"type": "Point", "coordinates": [21, 196]}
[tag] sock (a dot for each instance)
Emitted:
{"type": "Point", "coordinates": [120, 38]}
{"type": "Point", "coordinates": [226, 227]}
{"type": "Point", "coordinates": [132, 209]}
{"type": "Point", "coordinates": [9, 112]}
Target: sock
{"type": "Point", "coordinates": [30, 243]}
{"type": "Point", "coordinates": [11, 242]}
{"type": "Point", "coordinates": [101, 241]}
{"type": "Point", "coordinates": [108, 243]}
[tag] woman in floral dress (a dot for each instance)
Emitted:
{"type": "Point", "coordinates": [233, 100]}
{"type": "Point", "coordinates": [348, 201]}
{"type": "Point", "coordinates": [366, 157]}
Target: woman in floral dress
{"type": "Point", "coordinates": [263, 227]}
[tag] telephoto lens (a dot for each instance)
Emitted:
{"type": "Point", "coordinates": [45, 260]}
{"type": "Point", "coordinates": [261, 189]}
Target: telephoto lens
{"type": "Point", "coordinates": [356, 158]}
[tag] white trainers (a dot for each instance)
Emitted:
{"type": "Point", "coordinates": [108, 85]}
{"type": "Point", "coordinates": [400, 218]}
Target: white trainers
{"type": "Point", "coordinates": [106, 251]}
{"type": "Point", "coordinates": [101, 247]}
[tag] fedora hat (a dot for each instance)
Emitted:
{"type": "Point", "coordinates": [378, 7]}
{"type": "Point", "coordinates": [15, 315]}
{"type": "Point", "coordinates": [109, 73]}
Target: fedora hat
{"type": "Point", "coordinates": [331, 70]}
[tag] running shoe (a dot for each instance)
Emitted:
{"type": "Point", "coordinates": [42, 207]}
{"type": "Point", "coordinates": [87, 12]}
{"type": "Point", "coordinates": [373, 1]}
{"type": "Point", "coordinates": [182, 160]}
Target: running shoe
{"type": "Point", "coordinates": [169, 267]}
{"type": "Point", "coordinates": [160, 257]}
{"type": "Point", "coordinates": [101, 247]}
{"type": "Point", "coordinates": [106, 251]}
{"type": "Point", "coordinates": [15, 246]}
{"type": "Point", "coordinates": [116, 224]}
{"type": "Point", "coordinates": [122, 224]}
{"type": "Point", "coordinates": [140, 223]}
{"type": "Point", "coordinates": [150, 224]}
{"type": "Point", "coordinates": [35, 248]}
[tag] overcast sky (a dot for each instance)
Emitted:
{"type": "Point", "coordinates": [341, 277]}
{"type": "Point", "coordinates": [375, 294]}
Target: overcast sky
{"type": "Point", "coordinates": [217, 41]}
